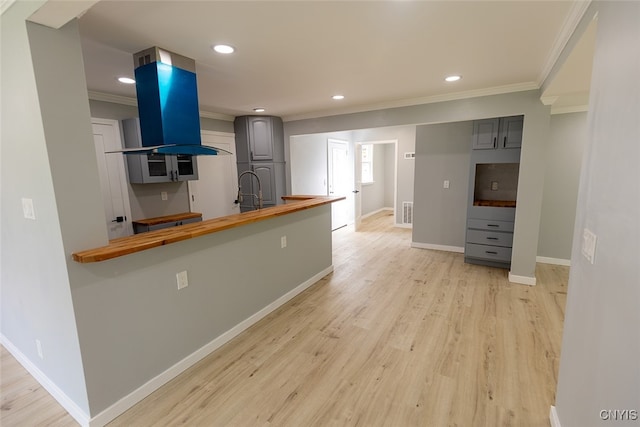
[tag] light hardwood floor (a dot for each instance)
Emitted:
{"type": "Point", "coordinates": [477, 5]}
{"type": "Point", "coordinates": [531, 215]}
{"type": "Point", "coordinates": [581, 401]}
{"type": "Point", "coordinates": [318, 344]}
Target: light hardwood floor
{"type": "Point", "coordinates": [396, 336]}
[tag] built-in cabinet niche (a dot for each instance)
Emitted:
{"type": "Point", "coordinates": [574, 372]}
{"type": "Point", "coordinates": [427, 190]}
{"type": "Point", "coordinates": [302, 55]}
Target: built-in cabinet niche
{"type": "Point", "coordinates": [493, 190]}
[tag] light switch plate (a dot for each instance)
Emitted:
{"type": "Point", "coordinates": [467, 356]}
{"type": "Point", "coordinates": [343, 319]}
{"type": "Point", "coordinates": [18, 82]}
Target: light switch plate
{"type": "Point", "coordinates": [589, 245]}
{"type": "Point", "coordinates": [445, 184]}
{"type": "Point", "coordinates": [163, 195]}
{"type": "Point", "coordinates": [27, 209]}
{"type": "Point", "coordinates": [182, 279]}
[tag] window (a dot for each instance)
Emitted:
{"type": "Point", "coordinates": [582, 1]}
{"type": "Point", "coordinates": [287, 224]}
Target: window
{"type": "Point", "coordinates": [367, 163]}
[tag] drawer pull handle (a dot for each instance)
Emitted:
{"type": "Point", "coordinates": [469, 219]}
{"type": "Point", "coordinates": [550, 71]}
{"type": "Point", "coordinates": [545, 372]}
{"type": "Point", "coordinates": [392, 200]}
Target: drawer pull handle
{"type": "Point", "coordinates": [493, 225]}
{"type": "Point", "coordinates": [492, 252]}
{"type": "Point", "coordinates": [492, 238]}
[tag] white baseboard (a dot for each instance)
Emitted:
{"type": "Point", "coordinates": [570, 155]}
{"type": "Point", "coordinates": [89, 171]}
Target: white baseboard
{"type": "Point", "coordinates": [522, 280]}
{"type": "Point", "coordinates": [555, 261]}
{"type": "Point", "coordinates": [65, 401]}
{"type": "Point", "coordinates": [553, 417]}
{"type": "Point", "coordinates": [375, 212]}
{"type": "Point", "coordinates": [152, 385]}
{"type": "Point", "coordinates": [445, 248]}
{"type": "Point", "coordinates": [403, 225]}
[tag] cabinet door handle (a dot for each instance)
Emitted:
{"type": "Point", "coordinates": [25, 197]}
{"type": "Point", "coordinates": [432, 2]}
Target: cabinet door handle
{"type": "Point", "coordinates": [495, 139]}
{"type": "Point", "coordinates": [493, 225]}
{"type": "Point", "coordinates": [491, 252]}
{"type": "Point", "coordinates": [175, 175]}
{"type": "Point", "coordinates": [492, 238]}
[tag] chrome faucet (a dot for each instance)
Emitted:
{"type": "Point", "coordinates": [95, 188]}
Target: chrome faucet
{"type": "Point", "coordinates": [241, 194]}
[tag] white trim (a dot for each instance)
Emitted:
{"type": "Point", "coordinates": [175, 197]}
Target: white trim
{"type": "Point", "coordinates": [5, 5]}
{"type": "Point", "coordinates": [155, 383]}
{"type": "Point", "coordinates": [522, 280]}
{"type": "Point", "coordinates": [555, 261]}
{"type": "Point", "coordinates": [445, 248]}
{"type": "Point", "coordinates": [127, 100]}
{"type": "Point", "coordinates": [497, 90]}
{"type": "Point", "coordinates": [553, 417]}
{"type": "Point", "coordinates": [570, 109]}
{"type": "Point", "coordinates": [375, 212]}
{"type": "Point", "coordinates": [578, 9]}
{"type": "Point", "coordinates": [409, 226]}
{"type": "Point", "coordinates": [60, 396]}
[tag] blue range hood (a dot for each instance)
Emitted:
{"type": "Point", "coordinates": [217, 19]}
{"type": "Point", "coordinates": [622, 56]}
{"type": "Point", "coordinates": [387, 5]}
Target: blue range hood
{"type": "Point", "coordinates": [167, 95]}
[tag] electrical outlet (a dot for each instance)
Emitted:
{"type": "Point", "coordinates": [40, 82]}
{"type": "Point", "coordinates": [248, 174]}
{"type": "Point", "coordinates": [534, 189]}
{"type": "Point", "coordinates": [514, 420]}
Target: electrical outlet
{"type": "Point", "coordinates": [39, 347]}
{"type": "Point", "coordinates": [27, 209]}
{"type": "Point", "coordinates": [283, 242]}
{"type": "Point", "coordinates": [445, 184]}
{"type": "Point", "coordinates": [164, 196]}
{"type": "Point", "coordinates": [182, 279]}
{"type": "Point", "coordinates": [494, 185]}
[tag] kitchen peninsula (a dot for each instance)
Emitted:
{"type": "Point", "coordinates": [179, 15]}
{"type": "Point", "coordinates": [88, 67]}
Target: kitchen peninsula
{"type": "Point", "coordinates": [139, 242]}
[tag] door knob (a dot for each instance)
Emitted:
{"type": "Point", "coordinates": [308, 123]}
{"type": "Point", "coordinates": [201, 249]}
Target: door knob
{"type": "Point", "coordinates": [120, 219]}
{"type": "Point", "coordinates": [356, 191]}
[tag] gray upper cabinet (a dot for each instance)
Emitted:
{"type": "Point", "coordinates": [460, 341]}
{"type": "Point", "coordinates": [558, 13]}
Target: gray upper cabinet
{"type": "Point", "coordinates": [154, 168]}
{"type": "Point", "coordinates": [504, 132]}
{"type": "Point", "coordinates": [259, 138]}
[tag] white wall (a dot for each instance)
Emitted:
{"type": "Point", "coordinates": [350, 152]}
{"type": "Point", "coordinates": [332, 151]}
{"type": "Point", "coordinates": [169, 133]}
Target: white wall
{"type": "Point", "coordinates": [567, 138]}
{"type": "Point", "coordinates": [599, 365]}
{"type": "Point", "coordinates": [389, 175]}
{"type": "Point", "coordinates": [373, 193]}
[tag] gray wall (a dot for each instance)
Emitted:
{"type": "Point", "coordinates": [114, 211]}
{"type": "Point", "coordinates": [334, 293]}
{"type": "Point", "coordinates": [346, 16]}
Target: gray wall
{"type": "Point", "coordinates": [45, 126]}
{"type": "Point", "coordinates": [568, 134]}
{"type": "Point", "coordinates": [599, 365]}
{"type": "Point", "coordinates": [373, 194]}
{"type": "Point", "coordinates": [534, 148]}
{"type": "Point", "coordinates": [389, 175]}
{"type": "Point", "coordinates": [443, 152]}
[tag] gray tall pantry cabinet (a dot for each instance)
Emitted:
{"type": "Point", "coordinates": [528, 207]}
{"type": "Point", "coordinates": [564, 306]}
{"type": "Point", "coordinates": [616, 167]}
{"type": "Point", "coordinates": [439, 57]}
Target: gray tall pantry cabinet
{"type": "Point", "coordinates": [493, 184]}
{"type": "Point", "coordinates": [260, 149]}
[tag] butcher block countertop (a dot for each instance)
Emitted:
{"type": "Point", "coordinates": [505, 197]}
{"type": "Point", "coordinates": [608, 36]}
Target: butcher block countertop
{"type": "Point", "coordinates": [167, 218]}
{"type": "Point", "coordinates": [140, 242]}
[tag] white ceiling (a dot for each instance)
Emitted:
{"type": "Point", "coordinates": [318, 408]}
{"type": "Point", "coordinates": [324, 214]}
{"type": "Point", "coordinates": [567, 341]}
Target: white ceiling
{"type": "Point", "coordinates": [292, 56]}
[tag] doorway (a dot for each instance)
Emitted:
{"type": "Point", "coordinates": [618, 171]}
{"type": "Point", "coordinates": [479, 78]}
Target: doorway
{"type": "Point", "coordinates": [113, 178]}
{"type": "Point", "coordinates": [338, 181]}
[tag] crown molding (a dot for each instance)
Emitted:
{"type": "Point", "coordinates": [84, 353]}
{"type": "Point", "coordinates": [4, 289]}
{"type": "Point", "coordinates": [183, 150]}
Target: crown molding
{"type": "Point", "coordinates": [577, 11]}
{"type": "Point", "coordinates": [496, 90]}
{"type": "Point", "coordinates": [127, 100]}
{"type": "Point", "coordinates": [570, 109]}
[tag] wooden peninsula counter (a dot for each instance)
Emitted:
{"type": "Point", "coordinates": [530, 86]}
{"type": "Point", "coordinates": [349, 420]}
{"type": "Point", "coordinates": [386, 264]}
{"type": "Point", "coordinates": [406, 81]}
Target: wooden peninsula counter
{"type": "Point", "coordinates": [140, 242]}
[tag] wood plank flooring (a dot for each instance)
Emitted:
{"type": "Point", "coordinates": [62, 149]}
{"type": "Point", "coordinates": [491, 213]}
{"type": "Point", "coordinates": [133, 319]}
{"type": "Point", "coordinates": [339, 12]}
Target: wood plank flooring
{"type": "Point", "coordinates": [396, 336]}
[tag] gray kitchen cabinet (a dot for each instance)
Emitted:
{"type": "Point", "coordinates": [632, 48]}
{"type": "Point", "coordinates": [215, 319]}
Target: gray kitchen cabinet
{"type": "Point", "coordinates": [260, 149]}
{"type": "Point", "coordinates": [498, 133]}
{"type": "Point", "coordinates": [493, 184]}
{"type": "Point", "coordinates": [154, 167]}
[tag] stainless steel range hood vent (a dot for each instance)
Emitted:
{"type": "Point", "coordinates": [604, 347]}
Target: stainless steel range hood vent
{"type": "Point", "coordinates": [168, 104]}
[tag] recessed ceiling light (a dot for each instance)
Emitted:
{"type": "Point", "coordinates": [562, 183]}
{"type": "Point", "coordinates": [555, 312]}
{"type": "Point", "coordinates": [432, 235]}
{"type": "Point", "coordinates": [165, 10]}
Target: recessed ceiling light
{"type": "Point", "coordinates": [452, 78]}
{"type": "Point", "coordinates": [126, 80]}
{"type": "Point", "coordinates": [259, 110]}
{"type": "Point", "coordinates": [337, 97]}
{"type": "Point", "coordinates": [223, 48]}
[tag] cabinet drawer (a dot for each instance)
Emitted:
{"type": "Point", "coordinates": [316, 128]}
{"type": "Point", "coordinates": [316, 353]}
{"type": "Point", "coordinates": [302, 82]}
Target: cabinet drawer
{"type": "Point", "coordinates": [487, 224]}
{"type": "Point", "coordinates": [494, 253]}
{"type": "Point", "coordinates": [492, 238]}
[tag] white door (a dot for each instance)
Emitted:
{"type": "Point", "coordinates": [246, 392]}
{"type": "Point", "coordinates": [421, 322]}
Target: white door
{"type": "Point", "coordinates": [216, 189]}
{"type": "Point", "coordinates": [113, 179]}
{"type": "Point", "coordinates": [338, 177]}
{"type": "Point", "coordinates": [357, 191]}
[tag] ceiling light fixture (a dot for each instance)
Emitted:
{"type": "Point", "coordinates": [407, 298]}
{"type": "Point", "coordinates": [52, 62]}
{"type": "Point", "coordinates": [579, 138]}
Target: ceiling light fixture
{"type": "Point", "coordinates": [452, 78]}
{"type": "Point", "coordinates": [337, 97]}
{"type": "Point", "coordinates": [223, 48]}
{"type": "Point", "coordinates": [126, 80]}
{"type": "Point", "coordinates": [259, 110]}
